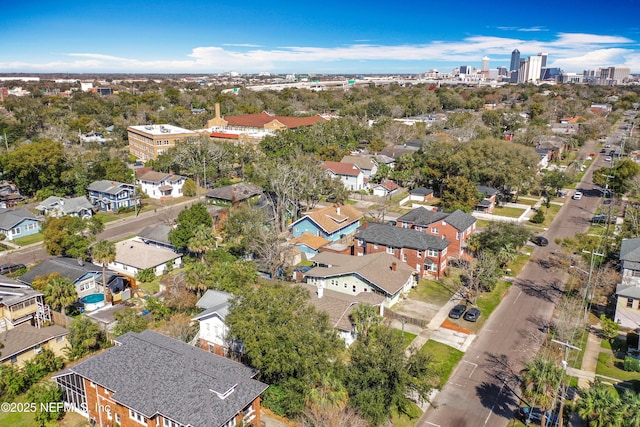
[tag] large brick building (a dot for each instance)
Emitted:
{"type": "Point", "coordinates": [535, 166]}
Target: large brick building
{"type": "Point", "coordinates": [425, 253]}
{"type": "Point", "coordinates": [155, 381]}
{"type": "Point", "coordinates": [149, 141]}
{"type": "Point", "coordinates": [455, 227]}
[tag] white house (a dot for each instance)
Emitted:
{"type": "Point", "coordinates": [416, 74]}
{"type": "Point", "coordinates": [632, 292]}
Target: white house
{"type": "Point", "coordinates": [213, 329]}
{"type": "Point", "coordinates": [61, 206]}
{"type": "Point", "coordinates": [367, 164]}
{"type": "Point", "coordinates": [159, 184]}
{"type": "Point", "coordinates": [133, 256]}
{"type": "Point", "coordinates": [351, 175]}
{"type": "Point", "coordinates": [628, 290]}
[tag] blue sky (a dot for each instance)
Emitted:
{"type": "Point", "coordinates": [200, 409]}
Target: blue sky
{"type": "Point", "coordinates": [204, 37]}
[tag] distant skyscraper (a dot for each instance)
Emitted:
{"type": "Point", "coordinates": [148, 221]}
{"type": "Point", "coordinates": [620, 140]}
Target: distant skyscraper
{"type": "Point", "coordinates": [465, 69]}
{"type": "Point", "coordinates": [543, 63]}
{"type": "Point", "coordinates": [515, 60]}
{"type": "Point", "coordinates": [485, 63]}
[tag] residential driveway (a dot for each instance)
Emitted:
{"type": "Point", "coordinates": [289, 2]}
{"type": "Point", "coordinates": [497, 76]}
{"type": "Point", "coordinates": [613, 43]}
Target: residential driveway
{"type": "Point", "coordinates": [416, 309]}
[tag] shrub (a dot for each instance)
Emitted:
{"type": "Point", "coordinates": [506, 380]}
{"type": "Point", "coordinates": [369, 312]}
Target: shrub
{"type": "Point", "coordinates": [146, 275]}
{"type": "Point", "coordinates": [631, 364]}
{"type": "Point", "coordinates": [538, 218]}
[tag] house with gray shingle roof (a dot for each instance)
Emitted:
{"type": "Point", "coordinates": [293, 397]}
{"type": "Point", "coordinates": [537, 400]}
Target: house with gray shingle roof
{"type": "Point", "coordinates": [150, 379]}
{"type": "Point", "coordinates": [241, 192]}
{"type": "Point", "coordinates": [18, 223]}
{"type": "Point", "coordinates": [425, 253]}
{"type": "Point", "coordinates": [628, 290]}
{"type": "Point", "coordinates": [455, 227]}
{"type": "Point", "coordinates": [380, 273]}
{"type": "Point", "coordinates": [20, 304]}
{"type": "Point", "coordinates": [109, 196]}
{"type": "Point", "coordinates": [61, 206]}
{"type": "Point", "coordinates": [21, 344]}
{"type": "Point", "coordinates": [366, 163]}
{"type": "Point", "coordinates": [157, 235]}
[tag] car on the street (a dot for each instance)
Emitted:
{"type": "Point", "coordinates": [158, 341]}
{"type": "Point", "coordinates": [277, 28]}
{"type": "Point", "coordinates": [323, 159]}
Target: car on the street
{"type": "Point", "coordinates": [607, 159]}
{"type": "Point", "coordinates": [577, 195]}
{"type": "Point", "coordinates": [10, 268]}
{"type": "Point", "coordinates": [540, 241]}
{"type": "Point", "coordinates": [472, 315]}
{"type": "Point", "coordinates": [457, 311]}
{"type": "Point", "coordinates": [529, 413]}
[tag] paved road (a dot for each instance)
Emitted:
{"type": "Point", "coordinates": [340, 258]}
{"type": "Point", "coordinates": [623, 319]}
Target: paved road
{"type": "Point", "coordinates": [480, 391]}
{"type": "Point", "coordinates": [119, 229]}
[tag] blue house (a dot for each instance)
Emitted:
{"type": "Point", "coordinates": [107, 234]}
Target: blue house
{"type": "Point", "coordinates": [110, 196]}
{"type": "Point", "coordinates": [331, 223]}
{"type": "Point", "coordinates": [18, 223]}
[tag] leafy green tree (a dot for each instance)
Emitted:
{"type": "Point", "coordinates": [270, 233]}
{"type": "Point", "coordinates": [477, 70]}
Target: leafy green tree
{"type": "Point", "coordinates": [146, 275]}
{"type": "Point", "coordinates": [186, 224]}
{"type": "Point", "coordinates": [597, 405]}
{"type": "Point", "coordinates": [84, 337]}
{"type": "Point", "coordinates": [202, 241]}
{"type": "Point", "coordinates": [104, 252]}
{"type": "Point", "coordinates": [610, 327]}
{"type": "Point", "coordinates": [381, 375]}
{"type": "Point", "coordinates": [129, 320]}
{"type": "Point", "coordinates": [554, 181]}
{"type": "Point", "coordinates": [619, 178]}
{"type": "Point", "coordinates": [45, 394]}
{"type": "Point", "coordinates": [541, 379]}
{"type": "Point", "coordinates": [498, 235]}
{"type": "Point", "coordinates": [458, 193]}
{"type": "Point", "coordinates": [41, 365]}
{"type": "Point", "coordinates": [158, 309]}
{"type": "Point", "coordinates": [189, 188]}
{"type": "Point", "coordinates": [365, 317]}
{"type": "Point", "coordinates": [60, 293]}
{"type": "Point", "coordinates": [13, 381]}
{"type": "Point", "coordinates": [271, 322]}
{"type": "Point", "coordinates": [70, 236]}
{"type": "Point", "coordinates": [538, 217]}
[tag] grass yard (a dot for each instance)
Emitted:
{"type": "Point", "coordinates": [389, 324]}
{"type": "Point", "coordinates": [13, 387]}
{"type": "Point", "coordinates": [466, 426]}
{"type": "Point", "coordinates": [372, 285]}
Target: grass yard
{"type": "Point", "coordinates": [150, 287]}
{"type": "Point", "coordinates": [488, 301]}
{"type": "Point", "coordinates": [610, 366]}
{"type": "Point", "coordinates": [431, 291]}
{"type": "Point", "coordinates": [575, 356]}
{"type": "Point", "coordinates": [28, 240]}
{"type": "Point", "coordinates": [406, 420]}
{"type": "Point", "coordinates": [445, 359]}
{"type": "Point", "coordinates": [17, 419]}
{"type": "Point", "coordinates": [407, 338]}
{"type": "Point", "coordinates": [518, 264]}
{"type": "Point", "coordinates": [508, 211]}
{"type": "Point", "coordinates": [550, 213]}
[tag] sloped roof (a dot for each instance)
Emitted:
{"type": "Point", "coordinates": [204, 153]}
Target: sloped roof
{"type": "Point", "coordinates": [67, 267]}
{"type": "Point", "coordinates": [141, 255]}
{"type": "Point", "coordinates": [25, 337]}
{"type": "Point", "coordinates": [13, 292]}
{"type": "Point", "coordinates": [67, 206]}
{"type": "Point", "coordinates": [338, 168]}
{"type": "Point", "coordinates": [388, 185]}
{"type": "Point", "coordinates": [235, 192]}
{"type": "Point", "coordinates": [630, 254]}
{"type": "Point", "coordinates": [261, 119]}
{"type": "Point", "coordinates": [487, 191]}
{"type": "Point", "coordinates": [421, 191]}
{"type": "Point", "coordinates": [310, 240]}
{"type": "Point", "coordinates": [398, 237]}
{"type": "Point", "coordinates": [422, 217]}
{"type": "Point", "coordinates": [333, 218]}
{"type": "Point", "coordinates": [363, 162]}
{"type": "Point", "coordinates": [377, 269]}
{"type": "Point", "coordinates": [10, 218]}
{"type": "Point", "coordinates": [156, 233]}
{"type": "Point", "coordinates": [160, 375]}
{"type": "Point", "coordinates": [214, 302]}
{"type": "Point", "coordinates": [108, 187]}
{"type": "Point", "coordinates": [156, 177]}
{"type": "Point", "coordinates": [460, 220]}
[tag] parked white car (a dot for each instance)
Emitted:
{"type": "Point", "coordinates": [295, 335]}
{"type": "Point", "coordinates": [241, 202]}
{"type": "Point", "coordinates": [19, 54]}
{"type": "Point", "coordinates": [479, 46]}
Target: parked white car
{"type": "Point", "coordinates": [577, 195]}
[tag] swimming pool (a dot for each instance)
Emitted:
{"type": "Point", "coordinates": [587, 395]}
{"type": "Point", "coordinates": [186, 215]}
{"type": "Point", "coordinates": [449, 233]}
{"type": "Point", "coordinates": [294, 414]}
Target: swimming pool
{"type": "Point", "coordinates": [92, 302]}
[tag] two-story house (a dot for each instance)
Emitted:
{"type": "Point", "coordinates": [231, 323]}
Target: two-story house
{"type": "Point", "coordinates": [18, 223]}
{"type": "Point", "coordinates": [455, 227]}
{"type": "Point", "coordinates": [349, 174]}
{"type": "Point", "coordinates": [425, 253]}
{"type": "Point", "coordinates": [152, 380]}
{"type": "Point", "coordinates": [158, 185]}
{"type": "Point", "coordinates": [109, 196]}
{"type": "Point", "coordinates": [378, 273]}
{"type": "Point", "coordinates": [331, 222]}
{"type": "Point", "coordinates": [62, 206]}
{"type": "Point", "coordinates": [20, 304]}
{"type": "Point", "coordinates": [488, 199]}
{"type": "Point", "coordinates": [628, 290]}
{"type": "Point", "coordinates": [212, 335]}
{"type": "Point", "coordinates": [367, 164]}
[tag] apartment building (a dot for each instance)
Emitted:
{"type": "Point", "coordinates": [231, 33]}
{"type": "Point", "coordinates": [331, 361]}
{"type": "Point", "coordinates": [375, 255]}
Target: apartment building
{"type": "Point", "coordinates": [149, 141]}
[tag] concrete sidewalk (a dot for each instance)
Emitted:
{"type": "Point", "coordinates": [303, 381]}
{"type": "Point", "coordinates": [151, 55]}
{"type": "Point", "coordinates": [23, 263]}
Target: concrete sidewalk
{"type": "Point", "coordinates": [587, 372]}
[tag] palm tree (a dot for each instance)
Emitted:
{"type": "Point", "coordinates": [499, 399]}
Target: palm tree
{"type": "Point", "coordinates": [631, 407]}
{"type": "Point", "coordinates": [202, 241]}
{"type": "Point", "coordinates": [541, 379]}
{"type": "Point", "coordinates": [196, 277]}
{"type": "Point", "coordinates": [60, 293]}
{"type": "Point", "coordinates": [600, 406]}
{"type": "Point", "coordinates": [104, 252]}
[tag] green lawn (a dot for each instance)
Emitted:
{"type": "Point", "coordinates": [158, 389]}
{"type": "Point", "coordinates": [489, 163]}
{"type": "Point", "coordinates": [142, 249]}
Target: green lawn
{"type": "Point", "coordinates": [609, 365]}
{"type": "Point", "coordinates": [518, 264]}
{"type": "Point", "coordinates": [431, 291]}
{"type": "Point", "coordinates": [406, 420]}
{"type": "Point", "coordinates": [27, 240]}
{"type": "Point", "coordinates": [150, 287]}
{"type": "Point", "coordinates": [575, 356]}
{"type": "Point", "coordinates": [488, 301]}
{"type": "Point", "coordinates": [445, 359]}
{"type": "Point", "coordinates": [17, 419]}
{"type": "Point", "coordinates": [407, 338]}
{"type": "Point", "coordinates": [508, 211]}
{"type": "Point", "coordinates": [106, 217]}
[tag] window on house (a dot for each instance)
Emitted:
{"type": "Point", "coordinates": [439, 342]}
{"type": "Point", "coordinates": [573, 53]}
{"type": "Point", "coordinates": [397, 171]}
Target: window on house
{"type": "Point", "coordinates": [137, 417]}
{"type": "Point", "coordinates": [359, 243]}
{"type": "Point", "coordinates": [375, 246]}
{"type": "Point", "coordinates": [345, 286]}
{"type": "Point", "coordinates": [432, 253]}
{"type": "Point", "coordinates": [635, 273]}
{"type": "Point", "coordinates": [629, 302]}
{"type": "Point", "coordinates": [419, 254]}
{"type": "Point", "coordinates": [457, 236]}
{"type": "Point", "coordinates": [435, 230]}
{"type": "Point", "coordinates": [118, 418]}
{"type": "Point", "coordinates": [354, 289]}
{"type": "Point", "coordinates": [389, 250]}
{"type": "Point", "coordinates": [170, 423]}
{"type": "Point", "coordinates": [433, 267]}
{"type": "Point", "coordinates": [404, 257]}
{"type": "Point", "coordinates": [59, 339]}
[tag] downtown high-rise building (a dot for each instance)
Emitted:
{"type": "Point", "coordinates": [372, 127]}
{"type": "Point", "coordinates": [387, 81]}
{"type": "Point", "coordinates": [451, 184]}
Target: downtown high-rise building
{"type": "Point", "coordinates": [485, 63]}
{"type": "Point", "coordinates": [515, 60]}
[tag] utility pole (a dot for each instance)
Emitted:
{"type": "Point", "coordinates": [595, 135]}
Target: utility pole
{"type": "Point", "coordinates": [565, 364]}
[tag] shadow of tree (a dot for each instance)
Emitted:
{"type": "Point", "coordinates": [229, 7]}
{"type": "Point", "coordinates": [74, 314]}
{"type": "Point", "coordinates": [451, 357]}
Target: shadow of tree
{"type": "Point", "coordinates": [546, 290]}
{"type": "Point", "coordinates": [497, 398]}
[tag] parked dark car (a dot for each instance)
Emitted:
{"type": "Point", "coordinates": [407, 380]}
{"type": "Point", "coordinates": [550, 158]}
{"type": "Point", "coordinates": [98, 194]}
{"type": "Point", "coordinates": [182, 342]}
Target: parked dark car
{"type": "Point", "coordinates": [528, 414]}
{"type": "Point", "coordinates": [540, 241]}
{"type": "Point", "coordinates": [457, 311]}
{"type": "Point", "coordinates": [10, 268]}
{"type": "Point", "coordinates": [472, 315]}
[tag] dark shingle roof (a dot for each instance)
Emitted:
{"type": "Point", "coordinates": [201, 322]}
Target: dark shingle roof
{"type": "Point", "coordinates": [153, 374]}
{"type": "Point", "coordinates": [10, 218]}
{"type": "Point", "coordinates": [108, 187]}
{"type": "Point", "coordinates": [422, 217]}
{"type": "Point", "coordinates": [156, 233]}
{"type": "Point", "coordinates": [67, 267]}
{"type": "Point", "coordinates": [235, 192]}
{"type": "Point", "coordinates": [630, 254]}
{"type": "Point", "coordinates": [460, 220]}
{"type": "Point", "coordinates": [421, 191]}
{"type": "Point", "coordinates": [396, 237]}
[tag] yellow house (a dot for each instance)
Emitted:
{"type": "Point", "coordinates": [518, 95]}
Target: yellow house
{"type": "Point", "coordinates": [22, 343]}
{"type": "Point", "coordinates": [147, 142]}
{"type": "Point", "coordinates": [20, 304]}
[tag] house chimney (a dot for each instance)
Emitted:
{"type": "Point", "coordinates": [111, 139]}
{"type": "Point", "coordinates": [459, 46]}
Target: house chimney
{"type": "Point", "coordinates": [394, 266]}
{"type": "Point", "coordinates": [320, 291]}
{"type": "Point", "coordinates": [217, 107]}
{"type": "Point", "coordinates": [80, 261]}
{"type": "Point", "coordinates": [338, 210]}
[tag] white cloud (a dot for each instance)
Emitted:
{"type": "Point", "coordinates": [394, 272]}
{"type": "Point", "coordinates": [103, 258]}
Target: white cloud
{"type": "Point", "coordinates": [571, 51]}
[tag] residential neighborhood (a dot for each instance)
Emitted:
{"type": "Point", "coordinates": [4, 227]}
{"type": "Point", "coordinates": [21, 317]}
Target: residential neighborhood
{"type": "Point", "coordinates": [225, 259]}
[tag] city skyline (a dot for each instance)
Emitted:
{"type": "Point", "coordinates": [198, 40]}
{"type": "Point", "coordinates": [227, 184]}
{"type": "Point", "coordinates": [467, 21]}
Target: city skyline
{"type": "Point", "coordinates": [358, 38]}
